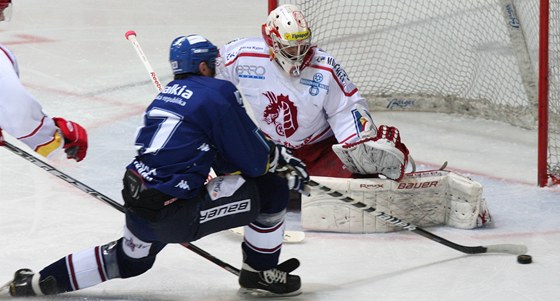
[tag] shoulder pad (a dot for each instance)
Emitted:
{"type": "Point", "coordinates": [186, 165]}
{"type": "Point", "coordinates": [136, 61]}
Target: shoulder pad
{"type": "Point", "coordinates": [324, 60]}
{"type": "Point", "coordinates": [234, 48]}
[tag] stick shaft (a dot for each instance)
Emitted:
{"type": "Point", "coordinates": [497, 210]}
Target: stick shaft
{"type": "Point", "coordinates": [131, 36]}
{"type": "Point", "coordinates": [100, 196]}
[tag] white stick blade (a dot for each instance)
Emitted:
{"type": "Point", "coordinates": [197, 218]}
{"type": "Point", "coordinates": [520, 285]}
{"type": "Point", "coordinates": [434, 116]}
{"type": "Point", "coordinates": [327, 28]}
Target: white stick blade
{"type": "Point", "coordinates": [507, 248]}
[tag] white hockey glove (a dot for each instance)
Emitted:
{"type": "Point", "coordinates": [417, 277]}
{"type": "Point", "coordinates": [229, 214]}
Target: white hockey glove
{"type": "Point", "coordinates": [383, 154]}
{"type": "Point", "coordinates": [293, 169]}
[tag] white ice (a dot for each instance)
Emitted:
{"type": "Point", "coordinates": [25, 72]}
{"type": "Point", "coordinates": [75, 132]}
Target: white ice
{"type": "Point", "coordinates": [74, 58]}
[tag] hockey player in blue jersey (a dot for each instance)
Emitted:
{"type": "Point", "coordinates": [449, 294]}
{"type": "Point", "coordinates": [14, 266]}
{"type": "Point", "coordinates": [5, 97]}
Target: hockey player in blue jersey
{"type": "Point", "coordinates": [196, 123]}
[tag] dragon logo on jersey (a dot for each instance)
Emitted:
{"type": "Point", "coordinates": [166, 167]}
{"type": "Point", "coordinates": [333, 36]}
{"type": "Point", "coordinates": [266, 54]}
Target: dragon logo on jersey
{"type": "Point", "coordinates": [281, 112]}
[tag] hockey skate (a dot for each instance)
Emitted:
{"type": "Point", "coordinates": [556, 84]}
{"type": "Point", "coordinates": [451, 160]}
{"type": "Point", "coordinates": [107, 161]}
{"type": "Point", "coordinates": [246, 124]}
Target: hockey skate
{"type": "Point", "coordinates": [21, 285]}
{"type": "Point", "coordinates": [276, 282]}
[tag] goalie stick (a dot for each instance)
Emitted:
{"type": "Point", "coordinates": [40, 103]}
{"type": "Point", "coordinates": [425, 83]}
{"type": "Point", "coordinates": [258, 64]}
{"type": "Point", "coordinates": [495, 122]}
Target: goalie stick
{"type": "Point", "coordinates": [499, 248]}
{"type": "Point", "coordinates": [98, 195]}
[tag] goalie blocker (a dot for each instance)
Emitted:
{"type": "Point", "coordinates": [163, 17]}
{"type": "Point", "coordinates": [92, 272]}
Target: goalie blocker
{"type": "Point", "coordinates": [426, 198]}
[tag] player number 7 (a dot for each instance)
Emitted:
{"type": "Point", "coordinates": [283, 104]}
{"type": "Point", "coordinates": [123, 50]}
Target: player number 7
{"type": "Point", "coordinates": [169, 123]}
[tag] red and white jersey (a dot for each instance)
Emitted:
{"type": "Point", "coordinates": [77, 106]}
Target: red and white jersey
{"type": "Point", "coordinates": [293, 111]}
{"type": "Point", "coordinates": [21, 115]}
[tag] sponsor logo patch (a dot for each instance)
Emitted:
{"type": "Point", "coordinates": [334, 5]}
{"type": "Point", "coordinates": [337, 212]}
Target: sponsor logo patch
{"type": "Point", "coordinates": [315, 84]}
{"type": "Point", "coordinates": [360, 122]}
{"type": "Point", "coordinates": [513, 22]}
{"type": "Point", "coordinates": [250, 71]}
{"type": "Point", "coordinates": [297, 36]}
{"type": "Point", "coordinates": [399, 103]}
{"type": "Point", "coordinates": [225, 210]}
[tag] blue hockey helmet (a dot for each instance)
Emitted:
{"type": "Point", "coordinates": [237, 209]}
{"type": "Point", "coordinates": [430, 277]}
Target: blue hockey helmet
{"type": "Point", "coordinates": [187, 52]}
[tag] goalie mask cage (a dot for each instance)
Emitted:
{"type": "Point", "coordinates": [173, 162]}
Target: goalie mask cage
{"type": "Point", "coordinates": [496, 59]}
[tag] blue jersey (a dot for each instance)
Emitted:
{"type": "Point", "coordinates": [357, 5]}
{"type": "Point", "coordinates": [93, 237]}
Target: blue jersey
{"type": "Point", "coordinates": [192, 125]}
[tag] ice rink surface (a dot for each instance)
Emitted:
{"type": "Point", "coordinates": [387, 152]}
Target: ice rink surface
{"type": "Point", "coordinates": [74, 58]}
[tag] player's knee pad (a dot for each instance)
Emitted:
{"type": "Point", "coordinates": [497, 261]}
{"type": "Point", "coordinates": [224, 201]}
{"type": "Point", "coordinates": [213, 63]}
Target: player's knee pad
{"type": "Point", "coordinates": [270, 219]}
{"type": "Point", "coordinates": [109, 253]}
{"type": "Point", "coordinates": [134, 256]}
{"type": "Point", "coordinates": [274, 193]}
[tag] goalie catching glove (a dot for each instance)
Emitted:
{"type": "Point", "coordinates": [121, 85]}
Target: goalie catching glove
{"type": "Point", "coordinates": [383, 154]}
{"type": "Point", "coordinates": [291, 168]}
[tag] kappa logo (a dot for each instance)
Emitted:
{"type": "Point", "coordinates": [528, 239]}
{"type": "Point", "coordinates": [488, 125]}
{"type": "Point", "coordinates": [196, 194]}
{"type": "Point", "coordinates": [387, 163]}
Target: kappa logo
{"type": "Point", "coordinates": [225, 210]}
{"type": "Point", "coordinates": [204, 147]}
{"type": "Point", "coordinates": [183, 185]}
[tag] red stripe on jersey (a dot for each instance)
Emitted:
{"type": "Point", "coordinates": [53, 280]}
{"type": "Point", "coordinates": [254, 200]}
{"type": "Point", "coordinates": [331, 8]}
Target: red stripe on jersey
{"type": "Point", "coordinates": [99, 264]}
{"type": "Point", "coordinates": [72, 272]}
{"type": "Point", "coordinates": [348, 138]}
{"type": "Point", "coordinates": [35, 130]}
{"type": "Point", "coordinates": [248, 54]}
{"type": "Point", "coordinates": [336, 78]}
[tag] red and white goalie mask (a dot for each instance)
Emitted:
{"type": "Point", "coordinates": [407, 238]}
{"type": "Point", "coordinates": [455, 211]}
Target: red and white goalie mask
{"type": "Point", "coordinates": [287, 34]}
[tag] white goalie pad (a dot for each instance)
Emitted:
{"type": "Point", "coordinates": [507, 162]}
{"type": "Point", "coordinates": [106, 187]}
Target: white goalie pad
{"type": "Point", "coordinates": [424, 199]}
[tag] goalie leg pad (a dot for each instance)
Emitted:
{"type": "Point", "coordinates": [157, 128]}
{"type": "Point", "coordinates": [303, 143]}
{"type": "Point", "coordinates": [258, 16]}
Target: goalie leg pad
{"type": "Point", "coordinates": [423, 198]}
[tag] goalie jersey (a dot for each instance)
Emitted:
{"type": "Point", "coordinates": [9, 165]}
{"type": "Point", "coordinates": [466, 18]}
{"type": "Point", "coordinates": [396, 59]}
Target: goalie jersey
{"type": "Point", "coordinates": [293, 111]}
{"type": "Point", "coordinates": [192, 125]}
{"type": "Point", "coordinates": [21, 115]}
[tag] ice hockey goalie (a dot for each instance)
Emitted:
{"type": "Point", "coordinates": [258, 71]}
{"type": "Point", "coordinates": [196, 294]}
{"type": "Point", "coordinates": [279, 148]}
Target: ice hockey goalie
{"type": "Point", "coordinates": [426, 198]}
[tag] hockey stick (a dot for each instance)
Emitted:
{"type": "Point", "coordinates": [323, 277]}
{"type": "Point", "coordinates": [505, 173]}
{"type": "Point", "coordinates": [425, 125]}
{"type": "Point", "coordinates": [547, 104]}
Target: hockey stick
{"type": "Point", "coordinates": [98, 195]}
{"type": "Point", "coordinates": [131, 36]}
{"type": "Point", "coordinates": [499, 248]}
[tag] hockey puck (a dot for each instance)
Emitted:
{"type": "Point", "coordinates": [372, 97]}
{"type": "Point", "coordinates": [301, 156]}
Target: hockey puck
{"type": "Point", "coordinates": [524, 259]}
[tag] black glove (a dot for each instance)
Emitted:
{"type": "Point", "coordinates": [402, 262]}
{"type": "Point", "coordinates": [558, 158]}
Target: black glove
{"type": "Point", "coordinates": [293, 169]}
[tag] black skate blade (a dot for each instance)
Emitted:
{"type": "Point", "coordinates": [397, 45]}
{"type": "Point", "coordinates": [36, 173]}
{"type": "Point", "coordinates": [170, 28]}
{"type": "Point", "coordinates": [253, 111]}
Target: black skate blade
{"type": "Point", "coordinates": [259, 293]}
